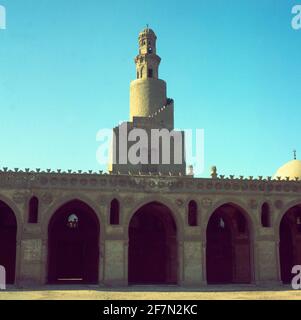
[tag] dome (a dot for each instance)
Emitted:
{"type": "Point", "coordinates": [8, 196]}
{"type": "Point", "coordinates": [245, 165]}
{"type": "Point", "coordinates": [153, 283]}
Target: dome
{"type": "Point", "coordinates": [291, 169]}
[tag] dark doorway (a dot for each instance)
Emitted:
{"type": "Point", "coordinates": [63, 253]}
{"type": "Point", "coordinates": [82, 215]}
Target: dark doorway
{"type": "Point", "coordinates": [8, 239]}
{"type": "Point", "coordinates": [152, 246]}
{"type": "Point", "coordinates": [73, 252]}
{"type": "Point", "coordinates": [228, 247]}
{"type": "Point", "coordinates": [219, 251]}
{"type": "Point", "coordinates": [290, 243]}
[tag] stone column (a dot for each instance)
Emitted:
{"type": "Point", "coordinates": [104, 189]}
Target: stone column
{"type": "Point", "coordinates": [204, 261]}
{"type": "Point", "coordinates": [180, 263]}
{"type": "Point", "coordinates": [18, 262]}
{"type": "Point", "coordinates": [114, 261]}
{"type": "Point", "coordinates": [44, 261]}
{"type": "Point", "coordinates": [126, 262]}
{"type": "Point", "coordinates": [101, 262]}
{"type": "Point", "coordinates": [277, 253]}
{"type": "Point", "coordinates": [31, 258]}
{"type": "Point", "coordinates": [267, 265]}
{"type": "Point", "coordinates": [192, 262]}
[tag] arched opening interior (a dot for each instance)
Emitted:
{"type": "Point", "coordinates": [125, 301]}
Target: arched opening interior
{"type": "Point", "coordinates": [265, 215]}
{"type": "Point", "coordinates": [73, 244]}
{"type": "Point", "coordinates": [228, 247]}
{"type": "Point", "coordinates": [152, 255]}
{"type": "Point", "coordinates": [192, 213]}
{"type": "Point", "coordinates": [114, 212]}
{"type": "Point", "coordinates": [33, 210]}
{"type": "Point", "coordinates": [8, 239]}
{"type": "Point", "coordinates": [290, 242]}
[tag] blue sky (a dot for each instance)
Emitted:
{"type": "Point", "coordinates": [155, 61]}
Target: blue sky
{"type": "Point", "coordinates": [233, 67]}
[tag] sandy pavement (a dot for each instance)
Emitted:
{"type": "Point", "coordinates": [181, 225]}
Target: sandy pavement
{"type": "Point", "coordinates": [151, 293]}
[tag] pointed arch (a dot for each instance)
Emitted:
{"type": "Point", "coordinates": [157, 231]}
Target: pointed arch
{"type": "Point", "coordinates": [290, 242]}
{"type": "Point", "coordinates": [152, 254]}
{"type": "Point", "coordinates": [174, 210]}
{"type": "Point", "coordinates": [8, 240]}
{"type": "Point", "coordinates": [73, 244]}
{"type": "Point", "coordinates": [229, 246]}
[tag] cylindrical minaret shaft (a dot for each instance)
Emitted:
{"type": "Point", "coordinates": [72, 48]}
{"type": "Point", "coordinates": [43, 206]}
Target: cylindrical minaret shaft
{"type": "Point", "coordinates": [147, 92]}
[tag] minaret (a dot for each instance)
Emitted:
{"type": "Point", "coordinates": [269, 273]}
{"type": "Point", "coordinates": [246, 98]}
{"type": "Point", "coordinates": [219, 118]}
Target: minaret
{"type": "Point", "coordinates": [147, 92]}
{"type": "Point", "coordinates": [147, 61]}
{"type": "Point", "coordinates": [150, 110]}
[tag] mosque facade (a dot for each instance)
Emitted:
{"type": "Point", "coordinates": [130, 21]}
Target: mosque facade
{"type": "Point", "coordinates": [149, 224]}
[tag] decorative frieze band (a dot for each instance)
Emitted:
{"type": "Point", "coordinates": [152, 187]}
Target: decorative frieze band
{"type": "Point", "coordinates": [24, 180]}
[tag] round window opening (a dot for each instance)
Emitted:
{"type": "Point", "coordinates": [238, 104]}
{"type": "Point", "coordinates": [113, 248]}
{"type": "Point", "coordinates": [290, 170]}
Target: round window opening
{"type": "Point", "coordinates": [72, 221]}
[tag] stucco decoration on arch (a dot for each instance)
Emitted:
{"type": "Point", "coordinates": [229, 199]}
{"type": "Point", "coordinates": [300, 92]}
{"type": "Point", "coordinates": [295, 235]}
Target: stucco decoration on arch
{"type": "Point", "coordinates": [48, 214]}
{"type": "Point", "coordinates": [251, 219]}
{"type": "Point", "coordinates": [162, 200]}
{"type": "Point", "coordinates": [19, 218]}
{"type": "Point", "coordinates": [286, 207]}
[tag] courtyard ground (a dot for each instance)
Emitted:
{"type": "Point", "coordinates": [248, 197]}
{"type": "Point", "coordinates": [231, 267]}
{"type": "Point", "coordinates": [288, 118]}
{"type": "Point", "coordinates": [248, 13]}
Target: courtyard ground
{"type": "Point", "coordinates": [152, 293]}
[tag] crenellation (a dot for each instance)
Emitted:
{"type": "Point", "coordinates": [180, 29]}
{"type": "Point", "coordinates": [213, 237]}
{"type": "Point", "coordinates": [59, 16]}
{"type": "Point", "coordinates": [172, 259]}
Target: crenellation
{"type": "Point", "coordinates": [62, 179]}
